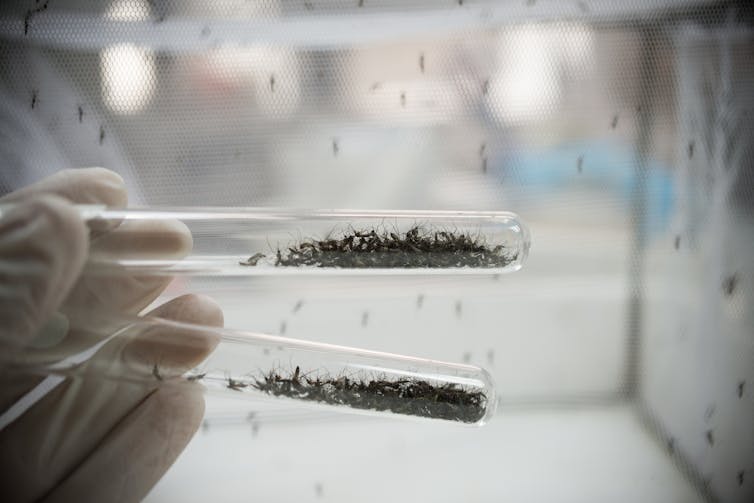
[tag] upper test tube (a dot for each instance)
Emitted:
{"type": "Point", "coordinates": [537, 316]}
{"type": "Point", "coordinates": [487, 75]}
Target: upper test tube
{"type": "Point", "coordinates": [264, 241]}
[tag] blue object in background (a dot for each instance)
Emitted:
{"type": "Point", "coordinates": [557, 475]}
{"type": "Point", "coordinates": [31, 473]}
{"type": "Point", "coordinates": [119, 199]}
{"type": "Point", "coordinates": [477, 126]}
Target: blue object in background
{"type": "Point", "coordinates": [605, 166]}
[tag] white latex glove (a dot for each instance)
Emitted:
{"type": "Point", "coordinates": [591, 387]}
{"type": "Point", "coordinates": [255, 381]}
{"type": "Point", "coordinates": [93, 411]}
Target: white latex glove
{"type": "Point", "coordinates": [91, 439]}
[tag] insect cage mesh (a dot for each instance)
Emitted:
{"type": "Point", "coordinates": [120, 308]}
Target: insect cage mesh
{"type": "Point", "coordinates": [620, 131]}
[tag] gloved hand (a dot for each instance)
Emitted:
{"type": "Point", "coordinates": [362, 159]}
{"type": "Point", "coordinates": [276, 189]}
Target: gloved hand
{"type": "Point", "coordinates": [91, 439]}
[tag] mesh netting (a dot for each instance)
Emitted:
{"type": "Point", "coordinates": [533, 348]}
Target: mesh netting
{"type": "Point", "coordinates": [622, 131]}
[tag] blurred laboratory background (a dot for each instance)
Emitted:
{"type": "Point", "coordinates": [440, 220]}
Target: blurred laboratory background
{"type": "Point", "coordinates": [621, 132]}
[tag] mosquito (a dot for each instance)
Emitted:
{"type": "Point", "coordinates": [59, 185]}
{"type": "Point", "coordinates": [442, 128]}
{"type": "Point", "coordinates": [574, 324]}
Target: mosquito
{"type": "Point", "coordinates": [235, 385]}
{"type": "Point", "coordinates": [253, 260]}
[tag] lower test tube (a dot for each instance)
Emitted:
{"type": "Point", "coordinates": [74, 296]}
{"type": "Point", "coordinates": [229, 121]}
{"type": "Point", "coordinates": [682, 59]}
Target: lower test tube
{"type": "Point", "coordinates": [349, 378]}
{"type": "Point", "coordinates": [260, 366]}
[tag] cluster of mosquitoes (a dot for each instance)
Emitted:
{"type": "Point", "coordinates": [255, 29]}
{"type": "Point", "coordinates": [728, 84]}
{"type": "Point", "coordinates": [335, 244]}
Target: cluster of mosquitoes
{"type": "Point", "coordinates": [384, 249]}
{"type": "Point", "coordinates": [407, 396]}
{"type": "Point", "coordinates": [421, 246]}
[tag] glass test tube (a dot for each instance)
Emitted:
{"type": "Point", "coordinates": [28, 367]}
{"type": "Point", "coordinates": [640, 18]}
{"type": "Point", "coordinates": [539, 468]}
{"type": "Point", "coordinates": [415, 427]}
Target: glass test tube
{"type": "Point", "coordinates": [268, 241]}
{"type": "Point", "coordinates": [358, 379]}
{"type": "Point", "coordinates": [238, 242]}
{"type": "Point", "coordinates": [153, 351]}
